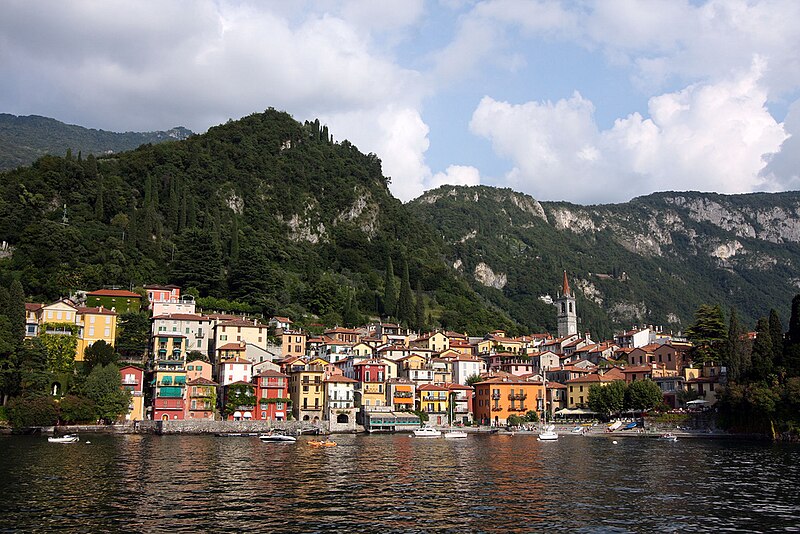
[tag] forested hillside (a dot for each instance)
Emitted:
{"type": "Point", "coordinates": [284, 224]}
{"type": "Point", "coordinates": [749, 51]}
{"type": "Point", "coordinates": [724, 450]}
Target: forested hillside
{"type": "Point", "coordinates": [264, 211]}
{"type": "Point", "coordinates": [653, 260]}
{"type": "Point", "coordinates": [25, 139]}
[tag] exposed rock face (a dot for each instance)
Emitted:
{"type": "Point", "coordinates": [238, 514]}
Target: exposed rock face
{"type": "Point", "coordinates": [727, 250]}
{"type": "Point", "coordinates": [590, 291]}
{"type": "Point", "coordinates": [629, 312]}
{"type": "Point", "coordinates": [574, 220]}
{"type": "Point", "coordinates": [364, 212]}
{"type": "Point", "coordinates": [487, 277]}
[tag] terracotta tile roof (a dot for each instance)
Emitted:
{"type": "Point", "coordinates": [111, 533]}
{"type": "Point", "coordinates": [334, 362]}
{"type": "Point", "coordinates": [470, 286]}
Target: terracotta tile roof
{"type": "Point", "coordinates": [232, 346]}
{"type": "Point", "coordinates": [114, 293]}
{"type": "Point", "coordinates": [242, 323]}
{"type": "Point", "coordinates": [283, 320]}
{"type": "Point", "coordinates": [340, 379]}
{"type": "Point", "coordinates": [241, 383]}
{"type": "Point", "coordinates": [32, 306]}
{"type": "Point", "coordinates": [156, 286]}
{"type": "Point", "coordinates": [201, 382]}
{"type": "Point", "coordinates": [638, 369]}
{"type": "Point", "coordinates": [241, 361]}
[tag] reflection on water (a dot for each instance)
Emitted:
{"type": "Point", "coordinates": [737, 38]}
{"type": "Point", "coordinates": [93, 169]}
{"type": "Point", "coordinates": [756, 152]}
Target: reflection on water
{"type": "Point", "coordinates": [397, 483]}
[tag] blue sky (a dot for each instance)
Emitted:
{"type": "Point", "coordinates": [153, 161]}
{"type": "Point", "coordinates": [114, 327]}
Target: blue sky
{"type": "Point", "coordinates": [589, 102]}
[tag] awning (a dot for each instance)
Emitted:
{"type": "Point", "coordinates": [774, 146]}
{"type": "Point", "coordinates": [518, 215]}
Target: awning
{"type": "Point", "coordinates": [248, 415]}
{"type": "Point", "coordinates": [698, 401]}
{"type": "Point", "coordinates": [575, 411]}
{"type": "Point", "coordinates": [237, 414]}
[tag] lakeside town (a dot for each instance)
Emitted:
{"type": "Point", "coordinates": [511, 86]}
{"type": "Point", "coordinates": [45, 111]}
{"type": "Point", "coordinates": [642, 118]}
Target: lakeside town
{"type": "Point", "coordinates": [379, 377]}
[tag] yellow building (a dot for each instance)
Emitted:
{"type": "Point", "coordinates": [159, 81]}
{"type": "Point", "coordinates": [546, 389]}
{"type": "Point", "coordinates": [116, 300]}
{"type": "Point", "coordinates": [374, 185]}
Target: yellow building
{"type": "Point", "coordinates": [435, 341]}
{"type": "Point", "coordinates": [96, 324]}
{"type": "Point", "coordinates": [434, 401]}
{"type": "Point", "coordinates": [307, 392]}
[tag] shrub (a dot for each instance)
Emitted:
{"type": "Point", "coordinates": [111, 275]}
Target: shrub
{"type": "Point", "coordinates": [32, 411]}
{"type": "Point", "coordinates": [74, 409]}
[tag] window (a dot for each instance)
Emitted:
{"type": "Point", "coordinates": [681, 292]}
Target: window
{"type": "Point", "coordinates": [187, 329]}
{"type": "Point", "coordinates": [91, 319]}
{"type": "Point", "coordinates": [223, 337]}
{"type": "Point", "coordinates": [279, 406]}
{"type": "Point", "coordinates": [190, 368]}
{"type": "Point", "coordinates": [263, 415]}
{"type": "Point", "coordinates": [91, 331]}
{"type": "Point", "coordinates": [238, 338]}
{"type": "Point", "coordinates": [230, 378]}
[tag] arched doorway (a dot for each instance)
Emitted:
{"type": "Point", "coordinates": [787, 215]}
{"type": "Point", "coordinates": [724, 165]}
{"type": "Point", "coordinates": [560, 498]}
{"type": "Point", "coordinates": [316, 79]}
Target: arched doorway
{"type": "Point", "coordinates": [496, 421]}
{"type": "Point", "coordinates": [342, 418]}
{"type": "Point", "coordinates": [305, 418]}
{"type": "Point", "coordinates": [165, 417]}
{"type": "Point", "coordinates": [316, 418]}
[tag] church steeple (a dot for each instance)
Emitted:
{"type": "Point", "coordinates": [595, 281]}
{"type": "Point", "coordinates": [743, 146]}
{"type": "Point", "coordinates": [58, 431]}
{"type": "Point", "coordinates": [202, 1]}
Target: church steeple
{"type": "Point", "coordinates": [567, 313]}
{"type": "Point", "coordinates": [565, 286]}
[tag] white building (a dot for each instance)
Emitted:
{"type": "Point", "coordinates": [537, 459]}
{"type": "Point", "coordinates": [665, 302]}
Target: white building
{"type": "Point", "coordinates": [196, 328]}
{"type": "Point", "coordinates": [466, 366]}
{"type": "Point", "coordinates": [235, 370]}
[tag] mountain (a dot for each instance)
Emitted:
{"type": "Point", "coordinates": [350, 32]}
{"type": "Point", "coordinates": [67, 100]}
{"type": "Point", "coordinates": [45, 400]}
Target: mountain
{"type": "Point", "coordinates": [24, 139]}
{"type": "Point", "coordinates": [264, 211]}
{"type": "Point", "coordinates": [652, 260]}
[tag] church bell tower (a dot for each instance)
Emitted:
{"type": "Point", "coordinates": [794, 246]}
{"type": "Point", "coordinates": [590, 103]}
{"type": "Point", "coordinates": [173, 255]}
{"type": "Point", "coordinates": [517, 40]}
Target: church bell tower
{"type": "Point", "coordinates": [567, 315]}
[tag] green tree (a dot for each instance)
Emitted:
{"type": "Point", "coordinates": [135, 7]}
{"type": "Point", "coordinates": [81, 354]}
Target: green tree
{"type": "Point", "coordinates": [61, 346]}
{"type": "Point", "coordinates": [474, 379]}
{"type": "Point", "coordinates": [531, 417]}
{"type": "Point", "coordinates": [738, 356]}
{"type": "Point", "coordinates": [514, 420]}
{"type": "Point", "coordinates": [100, 353]}
{"type": "Point", "coordinates": [777, 337]}
{"type": "Point", "coordinates": [34, 373]}
{"type": "Point", "coordinates": [607, 400]}
{"type": "Point", "coordinates": [389, 291]}
{"type": "Point", "coordinates": [419, 315]}
{"type": "Point", "coordinates": [103, 388]}
{"type": "Point", "coordinates": [16, 312]}
{"type": "Point", "coordinates": [32, 410]}
{"type": "Point", "coordinates": [708, 334]}
{"type": "Point", "coordinates": [239, 395]}
{"type": "Point", "coordinates": [75, 409]}
{"type": "Point", "coordinates": [405, 304]}
{"type": "Point", "coordinates": [133, 335]}
{"type": "Point", "coordinates": [791, 357]}
{"type": "Point", "coordinates": [762, 351]}
{"type": "Point", "coordinates": [198, 261]}
{"type": "Point", "coordinates": [643, 395]}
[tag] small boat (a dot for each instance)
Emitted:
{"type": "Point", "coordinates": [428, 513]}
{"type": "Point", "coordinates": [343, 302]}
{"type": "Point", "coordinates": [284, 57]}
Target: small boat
{"type": "Point", "coordinates": [66, 438]}
{"type": "Point", "coordinates": [615, 425]}
{"type": "Point", "coordinates": [669, 436]}
{"type": "Point", "coordinates": [548, 434]}
{"type": "Point", "coordinates": [455, 434]}
{"type": "Point", "coordinates": [322, 443]}
{"type": "Point", "coordinates": [427, 432]}
{"type": "Point", "coordinates": [577, 430]}
{"type": "Point", "coordinates": [276, 438]}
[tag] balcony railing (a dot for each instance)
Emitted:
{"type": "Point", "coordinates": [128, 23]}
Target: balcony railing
{"type": "Point", "coordinates": [496, 396]}
{"type": "Point", "coordinates": [130, 382]}
{"type": "Point", "coordinates": [496, 408]}
{"type": "Point", "coordinates": [403, 394]}
{"type": "Point", "coordinates": [518, 396]}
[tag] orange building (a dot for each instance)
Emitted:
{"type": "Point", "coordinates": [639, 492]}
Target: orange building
{"type": "Point", "coordinates": [498, 397]}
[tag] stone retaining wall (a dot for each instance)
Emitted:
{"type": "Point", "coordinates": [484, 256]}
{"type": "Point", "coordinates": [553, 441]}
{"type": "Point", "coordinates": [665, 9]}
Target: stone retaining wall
{"type": "Point", "coordinates": [221, 427]}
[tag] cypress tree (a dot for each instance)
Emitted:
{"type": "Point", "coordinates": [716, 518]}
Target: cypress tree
{"type": "Point", "coordinates": [16, 311]}
{"type": "Point", "coordinates": [762, 351]}
{"type": "Point", "coordinates": [776, 334]}
{"type": "Point", "coordinates": [191, 212]}
{"type": "Point", "coordinates": [183, 214]}
{"type": "Point", "coordinates": [738, 355]}
{"type": "Point", "coordinates": [419, 316]}
{"type": "Point", "coordinates": [174, 205]}
{"type": "Point", "coordinates": [405, 304]}
{"type": "Point", "coordinates": [99, 210]}
{"type": "Point", "coordinates": [389, 291]}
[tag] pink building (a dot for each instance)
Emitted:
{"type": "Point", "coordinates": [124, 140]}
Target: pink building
{"type": "Point", "coordinates": [272, 395]}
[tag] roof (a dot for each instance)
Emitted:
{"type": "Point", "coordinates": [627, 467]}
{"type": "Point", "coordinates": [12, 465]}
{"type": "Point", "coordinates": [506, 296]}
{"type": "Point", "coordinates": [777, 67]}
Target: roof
{"type": "Point", "coordinates": [231, 346]}
{"type": "Point", "coordinates": [638, 369]}
{"type": "Point", "coordinates": [241, 383]}
{"type": "Point", "coordinates": [453, 385]}
{"type": "Point", "coordinates": [369, 362]}
{"type": "Point", "coordinates": [237, 360]}
{"type": "Point", "coordinates": [33, 306]}
{"type": "Point", "coordinates": [201, 382]}
{"type": "Point", "coordinates": [242, 322]}
{"type": "Point", "coordinates": [282, 320]}
{"type": "Point", "coordinates": [95, 311]}
{"type": "Point", "coordinates": [340, 379]}
{"type": "Point", "coordinates": [114, 293]}
{"type": "Point", "coordinates": [156, 286]}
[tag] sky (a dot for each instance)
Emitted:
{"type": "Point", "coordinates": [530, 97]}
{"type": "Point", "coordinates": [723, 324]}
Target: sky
{"type": "Point", "coordinates": [588, 102]}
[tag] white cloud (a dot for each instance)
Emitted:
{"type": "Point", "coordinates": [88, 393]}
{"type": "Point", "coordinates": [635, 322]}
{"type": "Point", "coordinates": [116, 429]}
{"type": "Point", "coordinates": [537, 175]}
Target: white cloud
{"type": "Point", "coordinates": [782, 171]}
{"type": "Point", "coordinates": [455, 175]}
{"type": "Point", "coordinates": [709, 137]}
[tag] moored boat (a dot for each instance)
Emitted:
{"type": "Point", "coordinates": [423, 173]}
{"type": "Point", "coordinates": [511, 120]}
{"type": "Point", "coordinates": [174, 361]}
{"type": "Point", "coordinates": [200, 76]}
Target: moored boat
{"type": "Point", "coordinates": [427, 432]}
{"type": "Point", "coordinates": [455, 434]}
{"type": "Point", "coordinates": [276, 438]}
{"type": "Point", "coordinates": [548, 434]}
{"type": "Point", "coordinates": [66, 438]}
{"type": "Point", "coordinates": [669, 436]}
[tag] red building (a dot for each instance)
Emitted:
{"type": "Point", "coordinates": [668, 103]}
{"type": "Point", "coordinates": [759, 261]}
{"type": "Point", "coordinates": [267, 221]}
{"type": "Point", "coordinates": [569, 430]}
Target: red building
{"type": "Point", "coordinates": [272, 396]}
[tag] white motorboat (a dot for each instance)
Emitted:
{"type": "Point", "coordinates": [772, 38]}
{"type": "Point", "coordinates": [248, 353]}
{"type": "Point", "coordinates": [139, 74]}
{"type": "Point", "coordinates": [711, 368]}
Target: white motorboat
{"type": "Point", "coordinates": [669, 436]}
{"type": "Point", "coordinates": [427, 432]}
{"type": "Point", "coordinates": [66, 438]}
{"type": "Point", "coordinates": [455, 434]}
{"type": "Point", "coordinates": [277, 438]}
{"type": "Point", "coordinates": [548, 434]}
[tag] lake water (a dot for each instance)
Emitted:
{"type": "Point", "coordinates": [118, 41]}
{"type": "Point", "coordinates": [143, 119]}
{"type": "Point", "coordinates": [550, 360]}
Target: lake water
{"type": "Point", "coordinates": [385, 483]}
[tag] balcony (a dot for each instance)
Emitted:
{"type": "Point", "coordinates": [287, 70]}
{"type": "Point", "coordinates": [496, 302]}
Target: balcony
{"type": "Point", "coordinates": [130, 381]}
{"type": "Point", "coordinates": [434, 398]}
{"type": "Point", "coordinates": [496, 408]}
{"type": "Point", "coordinates": [518, 396]}
{"type": "Point", "coordinates": [496, 396]}
{"type": "Point", "coordinates": [514, 408]}
{"type": "Point", "coordinates": [403, 395]}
